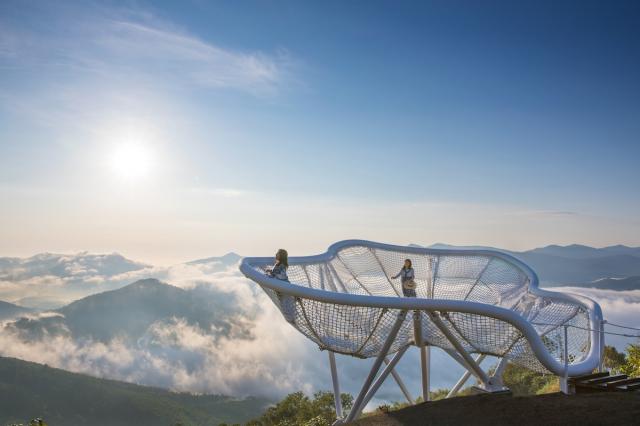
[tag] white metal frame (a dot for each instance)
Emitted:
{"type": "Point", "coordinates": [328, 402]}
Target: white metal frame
{"type": "Point", "coordinates": [436, 309]}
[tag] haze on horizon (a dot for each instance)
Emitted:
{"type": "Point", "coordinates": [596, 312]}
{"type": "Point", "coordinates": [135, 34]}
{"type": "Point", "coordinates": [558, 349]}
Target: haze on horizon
{"type": "Point", "coordinates": [173, 131]}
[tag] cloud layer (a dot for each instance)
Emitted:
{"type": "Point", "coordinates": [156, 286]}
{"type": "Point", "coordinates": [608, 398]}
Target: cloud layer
{"type": "Point", "coordinates": [618, 307]}
{"type": "Point", "coordinates": [177, 355]}
{"type": "Point", "coordinates": [268, 358]}
{"type": "Point", "coordinates": [272, 359]}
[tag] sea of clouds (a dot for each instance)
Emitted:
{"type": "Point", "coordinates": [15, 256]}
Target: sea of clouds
{"type": "Point", "coordinates": [618, 307]}
{"type": "Point", "coordinates": [271, 360]}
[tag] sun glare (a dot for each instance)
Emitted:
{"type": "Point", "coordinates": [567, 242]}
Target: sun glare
{"type": "Point", "coordinates": [131, 161]}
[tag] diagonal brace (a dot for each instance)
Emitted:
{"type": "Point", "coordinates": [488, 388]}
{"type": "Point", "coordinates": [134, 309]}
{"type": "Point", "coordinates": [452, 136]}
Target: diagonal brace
{"type": "Point", "coordinates": [460, 383]}
{"type": "Point", "coordinates": [400, 383]}
{"type": "Point", "coordinates": [383, 376]}
{"type": "Point", "coordinates": [453, 354]}
{"type": "Point", "coordinates": [358, 403]}
{"type": "Point", "coordinates": [472, 364]}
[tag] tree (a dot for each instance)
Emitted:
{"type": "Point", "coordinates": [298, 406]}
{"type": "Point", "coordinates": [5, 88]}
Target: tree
{"type": "Point", "coordinates": [523, 381]}
{"type": "Point", "coordinates": [298, 409]}
{"type": "Point", "coordinates": [438, 394]}
{"type": "Point", "coordinates": [613, 360]}
{"type": "Point", "coordinates": [632, 365]}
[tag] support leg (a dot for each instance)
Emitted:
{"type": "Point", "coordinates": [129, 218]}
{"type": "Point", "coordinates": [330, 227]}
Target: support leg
{"type": "Point", "coordinates": [400, 383]}
{"type": "Point", "coordinates": [601, 346]}
{"type": "Point", "coordinates": [457, 358]}
{"type": "Point", "coordinates": [425, 354]}
{"type": "Point", "coordinates": [357, 404]}
{"type": "Point", "coordinates": [460, 383]}
{"type": "Point", "coordinates": [425, 366]}
{"type": "Point", "coordinates": [473, 366]}
{"type": "Point", "coordinates": [564, 385]}
{"type": "Point", "coordinates": [383, 376]}
{"type": "Point", "coordinates": [336, 385]}
{"type": "Point", "coordinates": [497, 375]}
{"type": "Point", "coordinates": [564, 380]}
{"type": "Point", "coordinates": [453, 354]}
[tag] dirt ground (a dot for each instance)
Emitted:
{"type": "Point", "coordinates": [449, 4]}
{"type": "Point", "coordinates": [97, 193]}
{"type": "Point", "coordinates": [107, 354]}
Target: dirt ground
{"type": "Point", "coordinates": [607, 408]}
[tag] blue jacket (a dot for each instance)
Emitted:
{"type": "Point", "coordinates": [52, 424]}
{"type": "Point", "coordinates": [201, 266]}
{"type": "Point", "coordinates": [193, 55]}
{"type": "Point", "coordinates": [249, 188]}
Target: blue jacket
{"type": "Point", "coordinates": [407, 275]}
{"type": "Point", "coordinates": [279, 271]}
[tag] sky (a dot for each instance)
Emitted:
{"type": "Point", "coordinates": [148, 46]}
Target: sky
{"type": "Point", "coordinates": [169, 131]}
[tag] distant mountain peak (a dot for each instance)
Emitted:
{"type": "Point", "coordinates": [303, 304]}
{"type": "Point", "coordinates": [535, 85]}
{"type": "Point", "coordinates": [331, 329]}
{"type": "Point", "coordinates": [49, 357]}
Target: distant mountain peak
{"type": "Point", "coordinates": [621, 248]}
{"type": "Point", "coordinates": [580, 246]}
{"type": "Point", "coordinates": [145, 283]}
{"type": "Point", "coordinates": [128, 291]}
{"type": "Point", "coordinates": [567, 247]}
{"type": "Point", "coordinates": [14, 305]}
{"type": "Point", "coordinates": [227, 259]}
{"type": "Point", "coordinates": [9, 310]}
{"type": "Point", "coordinates": [232, 255]}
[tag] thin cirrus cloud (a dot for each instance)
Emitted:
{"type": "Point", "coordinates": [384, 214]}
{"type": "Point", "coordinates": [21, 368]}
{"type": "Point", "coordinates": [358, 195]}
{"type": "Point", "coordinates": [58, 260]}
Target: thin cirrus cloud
{"type": "Point", "coordinates": [179, 56]}
{"type": "Point", "coordinates": [103, 49]}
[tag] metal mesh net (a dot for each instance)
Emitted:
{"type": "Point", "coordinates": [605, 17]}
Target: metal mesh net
{"type": "Point", "coordinates": [361, 331]}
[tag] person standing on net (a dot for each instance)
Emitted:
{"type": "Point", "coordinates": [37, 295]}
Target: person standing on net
{"type": "Point", "coordinates": [407, 278]}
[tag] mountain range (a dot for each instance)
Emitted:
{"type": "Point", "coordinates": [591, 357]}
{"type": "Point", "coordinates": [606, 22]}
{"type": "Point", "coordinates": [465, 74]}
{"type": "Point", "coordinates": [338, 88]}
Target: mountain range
{"type": "Point", "coordinates": [577, 265]}
{"type": "Point", "coordinates": [128, 312]}
{"type": "Point", "coordinates": [9, 310]}
{"type": "Point", "coordinates": [50, 281]}
{"type": "Point", "coordinates": [567, 267]}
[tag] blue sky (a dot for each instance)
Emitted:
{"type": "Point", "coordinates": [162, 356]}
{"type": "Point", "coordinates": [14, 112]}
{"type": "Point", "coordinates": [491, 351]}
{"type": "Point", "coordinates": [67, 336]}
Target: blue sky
{"type": "Point", "coordinates": [251, 125]}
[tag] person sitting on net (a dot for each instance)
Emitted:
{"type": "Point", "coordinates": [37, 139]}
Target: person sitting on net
{"type": "Point", "coordinates": [407, 278]}
{"type": "Point", "coordinates": [279, 270]}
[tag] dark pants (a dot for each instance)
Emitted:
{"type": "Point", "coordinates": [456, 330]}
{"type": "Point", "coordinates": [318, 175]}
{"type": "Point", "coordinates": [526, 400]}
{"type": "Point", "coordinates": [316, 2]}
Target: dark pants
{"type": "Point", "coordinates": [408, 292]}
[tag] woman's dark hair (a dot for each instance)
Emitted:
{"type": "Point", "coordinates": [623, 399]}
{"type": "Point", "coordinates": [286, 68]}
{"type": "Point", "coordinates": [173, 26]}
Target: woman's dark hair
{"type": "Point", "coordinates": [283, 257]}
{"type": "Point", "coordinates": [410, 264]}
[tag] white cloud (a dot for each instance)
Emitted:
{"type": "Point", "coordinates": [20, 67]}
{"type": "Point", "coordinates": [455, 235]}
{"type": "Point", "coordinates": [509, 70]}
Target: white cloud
{"type": "Point", "coordinates": [156, 48]}
{"type": "Point", "coordinates": [47, 280]}
{"type": "Point", "coordinates": [109, 46]}
{"type": "Point", "coordinates": [619, 307]}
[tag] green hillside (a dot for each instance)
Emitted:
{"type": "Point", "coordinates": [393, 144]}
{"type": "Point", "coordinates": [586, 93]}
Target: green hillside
{"type": "Point", "coordinates": [29, 390]}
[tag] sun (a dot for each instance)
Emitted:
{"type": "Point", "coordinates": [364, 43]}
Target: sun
{"type": "Point", "coordinates": [131, 161]}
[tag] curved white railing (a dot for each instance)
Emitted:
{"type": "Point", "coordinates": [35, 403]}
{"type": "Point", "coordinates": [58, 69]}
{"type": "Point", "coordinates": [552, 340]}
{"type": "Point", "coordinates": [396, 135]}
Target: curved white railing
{"type": "Point", "coordinates": [251, 268]}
